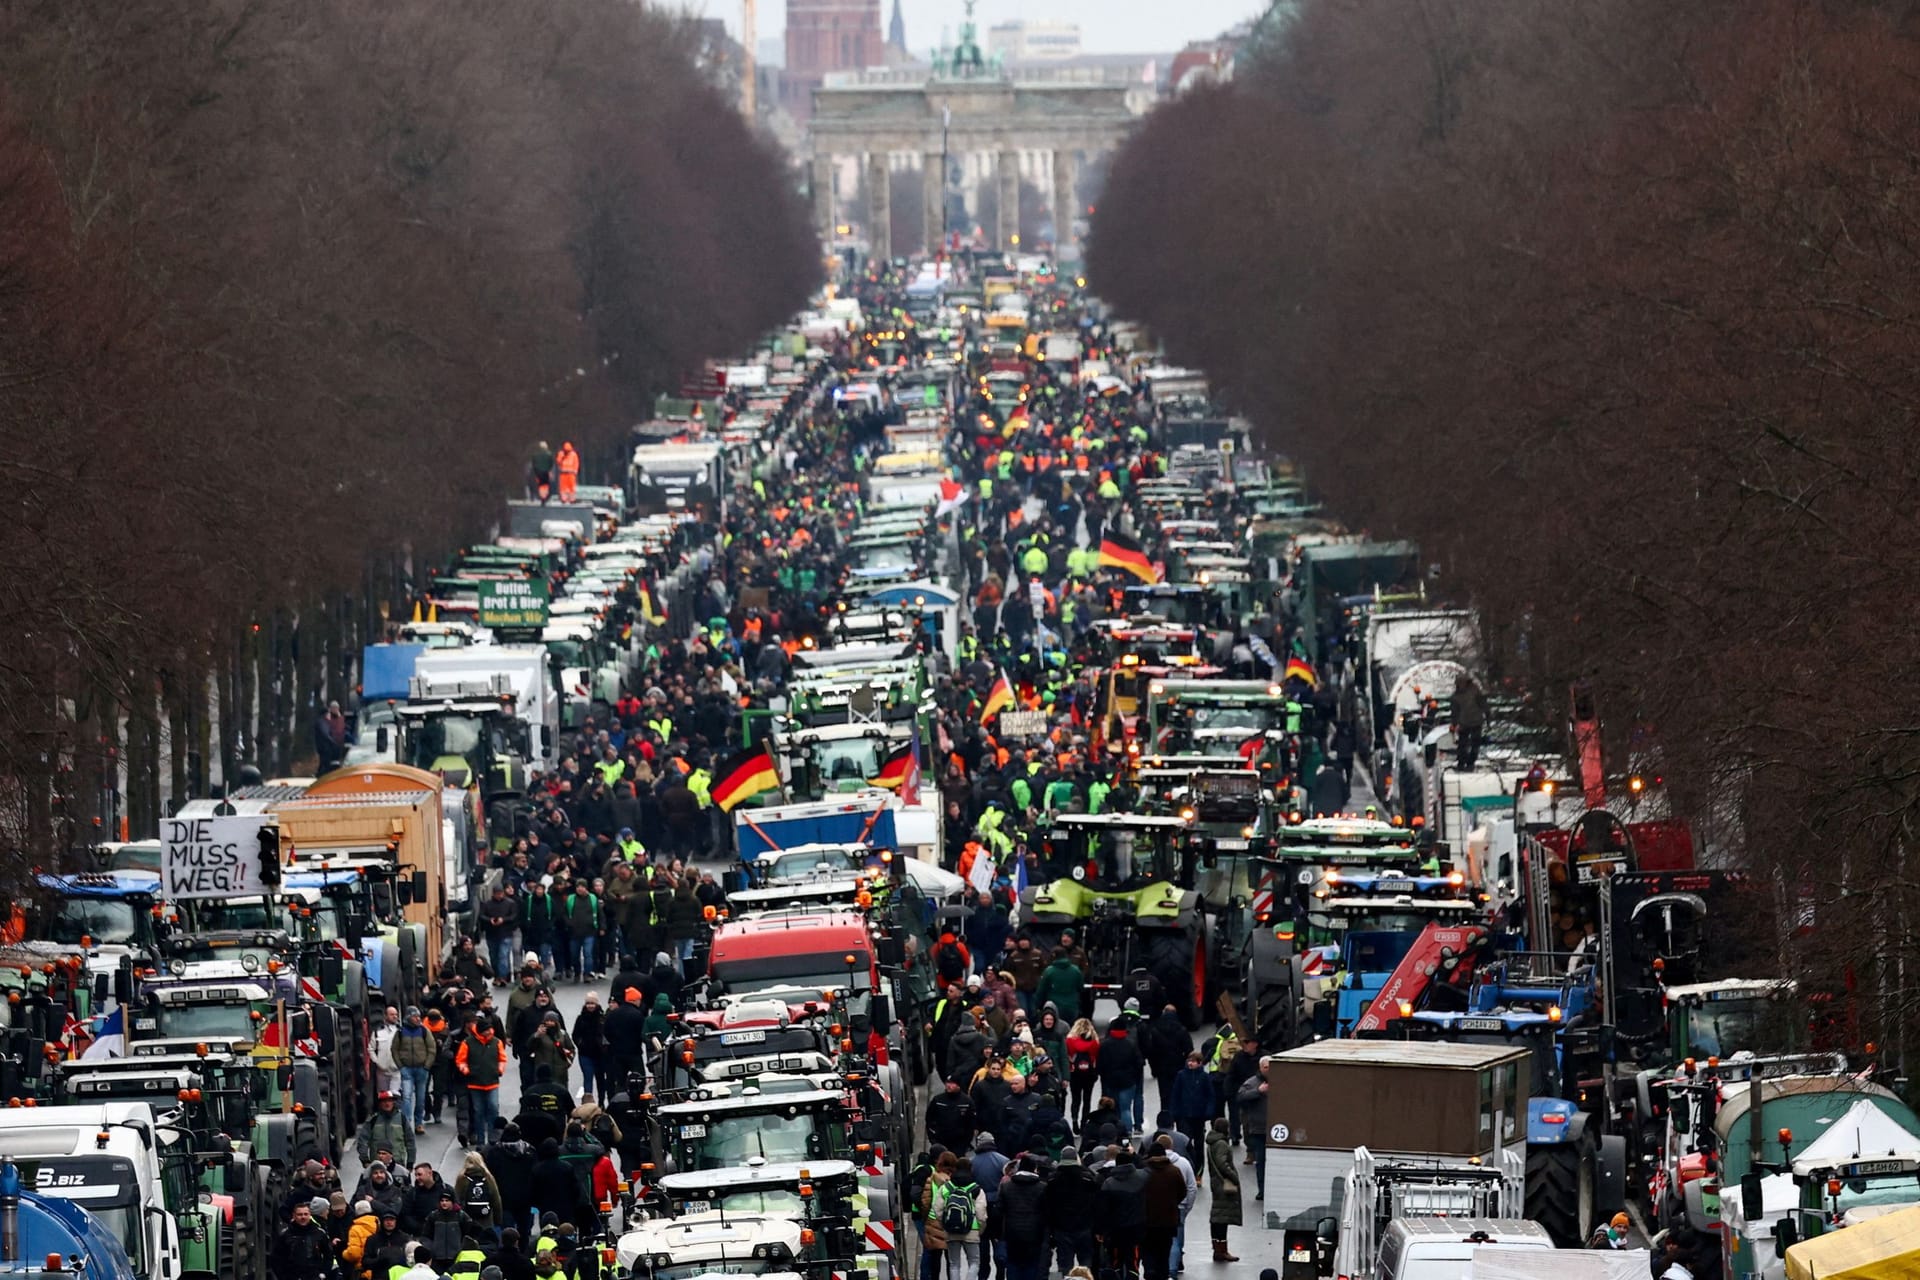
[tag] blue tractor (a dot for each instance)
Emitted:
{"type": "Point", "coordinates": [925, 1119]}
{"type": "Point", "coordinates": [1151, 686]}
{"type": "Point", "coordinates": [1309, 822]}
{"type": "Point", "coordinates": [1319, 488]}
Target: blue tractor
{"type": "Point", "coordinates": [1576, 1173]}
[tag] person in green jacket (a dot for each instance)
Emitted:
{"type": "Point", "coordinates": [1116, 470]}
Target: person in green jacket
{"type": "Point", "coordinates": [1060, 983]}
{"type": "Point", "coordinates": [656, 1026]}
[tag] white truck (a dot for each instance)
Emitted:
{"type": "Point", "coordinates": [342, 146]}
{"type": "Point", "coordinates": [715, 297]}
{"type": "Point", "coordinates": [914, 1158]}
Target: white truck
{"type": "Point", "coordinates": [109, 1160]}
{"type": "Point", "coordinates": [497, 701]}
{"type": "Point", "coordinates": [1396, 1213]}
{"type": "Point", "coordinates": [1444, 1105]}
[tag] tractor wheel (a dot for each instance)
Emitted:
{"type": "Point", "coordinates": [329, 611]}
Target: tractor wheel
{"type": "Point", "coordinates": [1560, 1191]}
{"type": "Point", "coordinates": [1171, 957]}
{"type": "Point", "coordinates": [1270, 993]}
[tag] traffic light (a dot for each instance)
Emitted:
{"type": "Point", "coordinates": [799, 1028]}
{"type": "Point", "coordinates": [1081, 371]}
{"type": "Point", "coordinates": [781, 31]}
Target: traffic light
{"type": "Point", "coordinates": [270, 856]}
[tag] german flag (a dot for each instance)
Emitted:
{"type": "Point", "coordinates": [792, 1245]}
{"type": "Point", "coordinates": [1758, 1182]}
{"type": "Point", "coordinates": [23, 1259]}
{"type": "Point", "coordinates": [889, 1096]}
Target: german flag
{"type": "Point", "coordinates": [999, 698]}
{"type": "Point", "coordinates": [894, 772]}
{"type": "Point", "coordinates": [1118, 551]}
{"type": "Point", "coordinates": [901, 772]}
{"type": "Point", "coordinates": [1298, 668]}
{"type": "Point", "coordinates": [743, 775]}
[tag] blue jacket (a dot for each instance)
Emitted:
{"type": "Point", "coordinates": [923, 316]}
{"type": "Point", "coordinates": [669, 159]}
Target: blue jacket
{"type": "Point", "coordinates": [988, 1168]}
{"type": "Point", "coordinates": [1192, 1095]}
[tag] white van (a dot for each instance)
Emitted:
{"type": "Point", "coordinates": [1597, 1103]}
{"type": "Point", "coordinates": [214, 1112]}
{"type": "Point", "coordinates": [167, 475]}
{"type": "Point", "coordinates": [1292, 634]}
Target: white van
{"type": "Point", "coordinates": [1442, 1248]}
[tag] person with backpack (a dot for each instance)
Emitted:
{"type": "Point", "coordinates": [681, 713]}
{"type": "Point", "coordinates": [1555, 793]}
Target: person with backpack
{"type": "Point", "coordinates": [955, 1209]}
{"type": "Point", "coordinates": [476, 1186]}
{"type": "Point", "coordinates": [918, 1177]}
{"type": "Point", "coordinates": [1166, 1042]}
{"type": "Point", "coordinates": [1083, 1068]}
{"type": "Point", "coordinates": [952, 962]}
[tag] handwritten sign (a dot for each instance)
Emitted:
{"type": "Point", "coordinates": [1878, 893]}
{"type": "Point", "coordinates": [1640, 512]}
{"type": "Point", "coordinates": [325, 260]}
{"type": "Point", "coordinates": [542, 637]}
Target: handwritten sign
{"type": "Point", "coordinates": [211, 857]}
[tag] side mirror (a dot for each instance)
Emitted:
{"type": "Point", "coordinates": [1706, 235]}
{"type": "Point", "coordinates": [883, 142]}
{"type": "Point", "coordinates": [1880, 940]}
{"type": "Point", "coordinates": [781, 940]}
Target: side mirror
{"type": "Point", "coordinates": [1752, 1202]}
{"type": "Point", "coordinates": [332, 973]}
{"type": "Point", "coordinates": [881, 1011]}
{"type": "Point", "coordinates": [382, 738]}
{"type": "Point", "coordinates": [123, 987]}
{"type": "Point", "coordinates": [419, 883]}
{"type": "Point", "coordinates": [1786, 1234]}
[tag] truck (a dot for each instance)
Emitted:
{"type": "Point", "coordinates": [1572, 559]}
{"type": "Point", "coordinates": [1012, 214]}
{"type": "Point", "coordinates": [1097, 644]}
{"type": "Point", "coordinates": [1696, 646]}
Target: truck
{"type": "Point", "coordinates": [393, 814]}
{"type": "Point", "coordinates": [866, 817]}
{"type": "Point", "coordinates": [43, 1236]}
{"type": "Point", "coordinates": [1407, 1211]}
{"type": "Point", "coordinates": [682, 479]}
{"type": "Point", "coordinates": [485, 714]}
{"type": "Point", "coordinates": [1452, 1103]}
{"type": "Point", "coordinates": [117, 1161]}
{"type": "Point", "coordinates": [1335, 581]}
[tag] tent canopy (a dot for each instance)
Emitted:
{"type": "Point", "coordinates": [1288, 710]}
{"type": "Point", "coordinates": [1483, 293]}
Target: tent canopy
{"type": "Point", "coordinates": [1884, 1249]}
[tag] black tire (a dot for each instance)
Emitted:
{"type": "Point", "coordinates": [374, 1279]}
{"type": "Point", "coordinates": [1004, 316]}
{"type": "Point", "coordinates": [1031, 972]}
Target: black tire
{"type": "Point", "coordinates": [1560, 1191]}
{"type": "Point", "coordinates": [1271, 997]}
{"type": "Point", "coordinates": [1169, 956]}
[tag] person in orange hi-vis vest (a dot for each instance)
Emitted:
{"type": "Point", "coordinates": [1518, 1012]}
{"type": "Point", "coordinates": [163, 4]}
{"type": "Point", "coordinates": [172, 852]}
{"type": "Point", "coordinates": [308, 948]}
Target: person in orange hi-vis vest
{"type": "Point", "coordinates": [567, 463]}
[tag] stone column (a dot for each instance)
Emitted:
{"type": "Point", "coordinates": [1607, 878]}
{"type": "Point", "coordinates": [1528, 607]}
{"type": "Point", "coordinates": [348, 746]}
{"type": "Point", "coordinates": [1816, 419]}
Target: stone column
{"type": "Point", "coordinates": [933, 177]}
{"type": "Point", "coordinates": [879, 206]}
{"type": "Point", "coordinates": [1009, 225]}
{"type": "Point", "coordinates": [1066, 202]}
{"type": "Point", "coordinates": [823, 197]}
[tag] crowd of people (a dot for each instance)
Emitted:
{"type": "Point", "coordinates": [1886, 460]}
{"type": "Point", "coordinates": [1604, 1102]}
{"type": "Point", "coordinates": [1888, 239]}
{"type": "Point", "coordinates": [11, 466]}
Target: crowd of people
{"type": "Point", "coordinates": [1039, 1126]}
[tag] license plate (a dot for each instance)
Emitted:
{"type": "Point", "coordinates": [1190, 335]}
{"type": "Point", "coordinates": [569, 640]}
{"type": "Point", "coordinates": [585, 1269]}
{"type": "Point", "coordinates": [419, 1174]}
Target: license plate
{"type": "Point", "coordinates": [744, 1037]}
{"type": "Point", "coordinates": [1299, 1253]}
{"type": "Point", "coordinates": [695, 1206]}
{"type": "Point", "coordinates": [1230, 844]}
{"type": "Point", "coordinates": [693, 1131]}
{"type": "Point", "coordinates": [1394, 886]}
{"type": "Point", "coordinates": [1482, 1024]}
{"type": "Point", "coordinates": [1866, 1167]}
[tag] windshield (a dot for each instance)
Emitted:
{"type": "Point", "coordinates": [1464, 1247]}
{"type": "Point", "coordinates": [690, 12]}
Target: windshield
{"type": "Point", "coordinates": [726, 1267]}
{"type": "Point", "coordinates": [189, 1021]}
{"type": "Point", "coordinates": [1862, 1193]}
{"type": "Point", "coordinates": [105, 920]}
{"type": "Point", "coordinates": [435, 740]}
{"type": "Point", "coordinates": [805, 863]}
{"type": "Point", "coordinates": [777, 1202]}
{"type": "Point", "coordinates": [1330, 926]}
{"type": "Point", "coordinates": [733, 1141]}
{"type": "Point", "coordinates": [571, 653]}
{"type": "Point", "coordinates": [1721, 1028]}
{"type": "Point", "coordinates": [210, 915]}
{"type": "Point", "coordinates": [892, 555]}
{"type": "Point", "coordinates": [1251, 719]}
{"type": "Point", "coordinates": [326, 921]}
{"type": "Point", "coordinates": [851, 759]}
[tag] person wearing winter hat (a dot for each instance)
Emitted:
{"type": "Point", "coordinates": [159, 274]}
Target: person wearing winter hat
{"type": "Point", "coordinates": [365, 1223]}
{"type": "Point", "coordinates": [415, 1050]}
{"type": "Point", "coordinates": [337, 1219]}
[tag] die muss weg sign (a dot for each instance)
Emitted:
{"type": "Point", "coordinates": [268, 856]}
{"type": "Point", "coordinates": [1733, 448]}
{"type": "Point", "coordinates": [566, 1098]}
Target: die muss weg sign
{"type": "Point", "coordinates": [211, 857]}
{"type": "Point", "coordinates": [514, 604]}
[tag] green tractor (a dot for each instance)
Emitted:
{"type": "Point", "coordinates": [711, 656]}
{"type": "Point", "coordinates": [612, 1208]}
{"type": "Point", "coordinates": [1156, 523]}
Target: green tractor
{"type": "Point", "coordinates": [1114, 881]}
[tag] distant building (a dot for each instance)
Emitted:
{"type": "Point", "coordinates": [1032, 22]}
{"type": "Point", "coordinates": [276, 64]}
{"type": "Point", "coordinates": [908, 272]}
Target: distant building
{"type": "Point", "coordinates": [1031, 40]}
{"type": "Point", "coordinates": [897, 33]}
{"type": "Point", "coordinates": [823, 36]}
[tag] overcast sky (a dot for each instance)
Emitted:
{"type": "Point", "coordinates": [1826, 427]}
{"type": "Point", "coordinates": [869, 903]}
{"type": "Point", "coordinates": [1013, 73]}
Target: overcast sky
{"type": "Point", "coordinates": [1106, 26]}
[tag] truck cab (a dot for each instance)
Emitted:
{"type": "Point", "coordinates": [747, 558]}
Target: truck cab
{"type": "Point", "coordinates": [106, 1159]}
